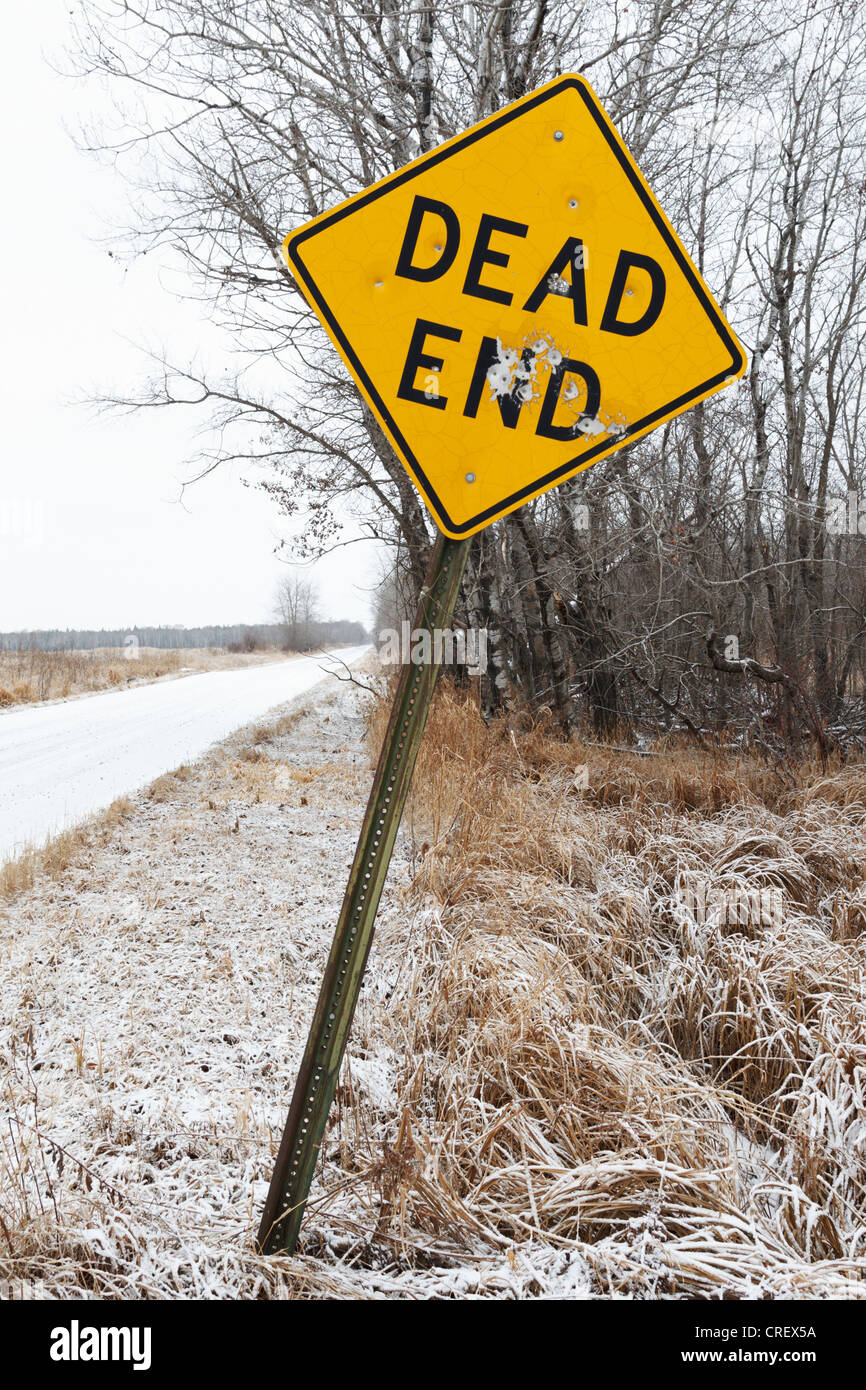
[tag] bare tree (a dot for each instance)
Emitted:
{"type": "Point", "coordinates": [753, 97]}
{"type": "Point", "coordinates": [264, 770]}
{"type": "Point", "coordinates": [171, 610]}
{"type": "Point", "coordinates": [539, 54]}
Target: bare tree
{"type": "Point", "coordinates": [296, 608]}
{"type": "Point", "coordinates": [748, 121]}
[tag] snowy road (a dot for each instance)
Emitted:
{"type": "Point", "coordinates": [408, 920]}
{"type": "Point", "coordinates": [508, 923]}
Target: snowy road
{"type": "Point", "coordinates": [60, 763]}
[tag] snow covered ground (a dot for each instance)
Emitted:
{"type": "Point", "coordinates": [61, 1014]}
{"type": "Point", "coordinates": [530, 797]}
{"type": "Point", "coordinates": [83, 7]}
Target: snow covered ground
{"type": "Point", "coordinates": [154, 1005]}
{"type": "Point", "coordinates": [62, 762]}
{"type": "Point", "coordinates": [507, 1125]}
{"type": "Point", "coordinates": [183, 959]}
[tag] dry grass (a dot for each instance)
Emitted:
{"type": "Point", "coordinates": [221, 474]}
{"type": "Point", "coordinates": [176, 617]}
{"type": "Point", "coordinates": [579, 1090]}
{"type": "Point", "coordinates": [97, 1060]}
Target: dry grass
{"type": "Point", "coordinates": [561, 1081]}
{"type": "Point", "coordinates": [29, 677]}
{"type": "Point", "coordinates": [71, 847]}
{"type": "Point", "coordinates": [52, 859]}
{"type": "Point", "coordinates": [586, 1065]}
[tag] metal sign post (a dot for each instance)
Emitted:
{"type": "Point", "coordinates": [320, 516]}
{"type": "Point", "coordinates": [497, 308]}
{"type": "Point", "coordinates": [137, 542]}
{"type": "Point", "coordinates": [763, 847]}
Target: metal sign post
{"type": "Point", "coordinates": [329, 1031]}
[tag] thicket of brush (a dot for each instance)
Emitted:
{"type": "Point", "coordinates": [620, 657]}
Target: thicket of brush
{"type": "Point", "coordinates": [586, 1066]}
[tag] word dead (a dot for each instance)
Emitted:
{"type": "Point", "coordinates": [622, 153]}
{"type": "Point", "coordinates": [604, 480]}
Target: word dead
{"type": "Point", "coordinates": [507, 371]}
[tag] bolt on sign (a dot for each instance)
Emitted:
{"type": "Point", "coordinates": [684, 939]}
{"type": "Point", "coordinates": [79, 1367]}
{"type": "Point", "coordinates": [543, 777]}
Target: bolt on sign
{"type": "Point", "coordinates": [514, 306]}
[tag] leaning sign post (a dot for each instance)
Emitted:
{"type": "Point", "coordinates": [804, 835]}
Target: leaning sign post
{"type": "Point", "coordinates": [513, 307]}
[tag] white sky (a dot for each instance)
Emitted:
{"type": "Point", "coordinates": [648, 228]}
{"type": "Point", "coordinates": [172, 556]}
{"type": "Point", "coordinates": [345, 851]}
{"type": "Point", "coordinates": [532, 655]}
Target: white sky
{"type": "Point", "coordinates": [92, 533]}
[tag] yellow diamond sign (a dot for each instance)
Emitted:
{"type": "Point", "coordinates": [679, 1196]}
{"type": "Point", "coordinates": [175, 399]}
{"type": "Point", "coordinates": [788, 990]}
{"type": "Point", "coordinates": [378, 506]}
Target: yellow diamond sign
{"type": "Point", "coordinates": [514, 305]}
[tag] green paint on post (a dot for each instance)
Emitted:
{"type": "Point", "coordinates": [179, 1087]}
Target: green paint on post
{"type": "Point", "coordinates": [329, 1031]}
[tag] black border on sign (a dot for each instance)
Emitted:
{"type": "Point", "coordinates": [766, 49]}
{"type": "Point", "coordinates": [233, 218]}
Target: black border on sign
{"type": "Point", "coordinates": [293, 251]}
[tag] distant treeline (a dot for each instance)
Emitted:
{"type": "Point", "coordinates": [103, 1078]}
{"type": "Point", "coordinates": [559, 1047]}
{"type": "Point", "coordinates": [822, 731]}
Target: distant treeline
{"type": "Point", "coordinates": [240, 637]}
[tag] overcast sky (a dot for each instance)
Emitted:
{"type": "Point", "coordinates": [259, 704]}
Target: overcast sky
{"type": "Point", "coordinates": [92, 531]}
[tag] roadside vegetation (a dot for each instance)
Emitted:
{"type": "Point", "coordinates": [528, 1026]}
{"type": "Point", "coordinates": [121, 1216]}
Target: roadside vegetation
{"type": "Point", "coordinates": [589, 1062]}
{"type": "Point", "coordinates": [569, 1075]}
{"type": "Point", "coordinates": [29, 677]}
{"type": "Point", "coordinates": [50, 860]}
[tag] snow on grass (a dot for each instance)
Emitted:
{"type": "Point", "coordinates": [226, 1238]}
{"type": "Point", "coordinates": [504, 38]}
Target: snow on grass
{"type": "Point", "coordinates": [558, 1084]}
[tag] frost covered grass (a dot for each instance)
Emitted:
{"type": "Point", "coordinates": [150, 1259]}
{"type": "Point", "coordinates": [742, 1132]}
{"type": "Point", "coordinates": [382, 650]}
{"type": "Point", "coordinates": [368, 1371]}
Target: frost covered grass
{"type": "Point", "coordinates": [587, 1066]}
{"type": "Point", "coordinates": [560, 1082]}
{"type": "Point", "coordinates": [51, 859]}
{"type": "Point", "coordinates": [28, 677]}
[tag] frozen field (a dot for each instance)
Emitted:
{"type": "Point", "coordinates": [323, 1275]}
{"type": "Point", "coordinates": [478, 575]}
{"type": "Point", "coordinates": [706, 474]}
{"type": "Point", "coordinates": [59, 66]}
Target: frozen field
{"type": "Point", "coordinates": [62, 762]}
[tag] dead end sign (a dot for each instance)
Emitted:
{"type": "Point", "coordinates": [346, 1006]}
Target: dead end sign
{"type": "Point", "coordinates": [514, 305]}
